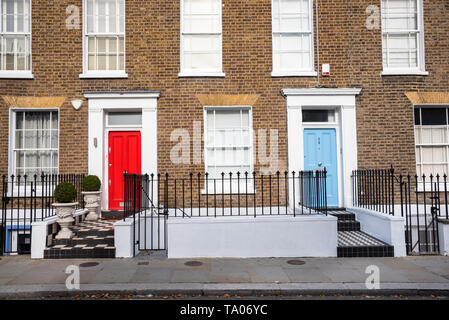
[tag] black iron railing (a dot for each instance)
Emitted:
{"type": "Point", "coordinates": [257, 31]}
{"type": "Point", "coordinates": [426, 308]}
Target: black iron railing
{"type": "Point", "coordinates": [233, 194]}
{"type": "Point", "coordinates": [374, 189]}
{"type": "Point", "coordinates": [26, 200]}
{"type": "Point", "coordinates": [421, 200]}
{"type": "Point", "coordinates": [150, 199]}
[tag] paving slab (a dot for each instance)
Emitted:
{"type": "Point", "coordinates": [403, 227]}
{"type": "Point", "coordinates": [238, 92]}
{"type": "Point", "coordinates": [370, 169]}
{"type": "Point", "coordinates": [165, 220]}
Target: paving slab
{"type": "Point", "coordinates": [21, 275]}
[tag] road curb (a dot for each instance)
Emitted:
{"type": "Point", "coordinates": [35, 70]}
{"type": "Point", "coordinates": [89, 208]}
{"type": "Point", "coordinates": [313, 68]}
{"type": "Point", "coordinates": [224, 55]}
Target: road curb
{"type": "Point", "coordinates": [156, 290]}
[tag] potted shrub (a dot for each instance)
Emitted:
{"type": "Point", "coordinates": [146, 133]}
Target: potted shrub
{"type": "Point", "coordinates": [91, 192]}
{"type": "Point", "coordinates": [65, 195]}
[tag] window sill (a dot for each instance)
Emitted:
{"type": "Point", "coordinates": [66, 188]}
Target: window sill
{"type": "Point", "coordinates": [404, 73]}
{"type": "Point", "coordinates": [277, 74]}
{"type": "Point", "coordinates": [16, 75]}
{"type": "Point", "coordinates": [187, 74]}
{"type": "Point", "coordinates": [104, 75]}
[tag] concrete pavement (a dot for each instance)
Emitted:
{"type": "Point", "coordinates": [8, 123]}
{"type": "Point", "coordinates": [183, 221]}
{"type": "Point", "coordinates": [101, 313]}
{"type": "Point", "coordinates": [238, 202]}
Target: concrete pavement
{"type": "Point", "coordinates": [21, 276]}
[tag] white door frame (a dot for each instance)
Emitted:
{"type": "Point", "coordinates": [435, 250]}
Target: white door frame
{"type": "Point", "coordinates": [343, 100]}
{"type": "Point", "coordinates": [102, 102]}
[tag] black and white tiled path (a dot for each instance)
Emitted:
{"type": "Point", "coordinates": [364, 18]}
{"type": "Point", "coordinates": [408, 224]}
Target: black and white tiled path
{"type": "Point", "coordinates": [93, 239]}
{"type": "Point", "coordinates": [354, 243]}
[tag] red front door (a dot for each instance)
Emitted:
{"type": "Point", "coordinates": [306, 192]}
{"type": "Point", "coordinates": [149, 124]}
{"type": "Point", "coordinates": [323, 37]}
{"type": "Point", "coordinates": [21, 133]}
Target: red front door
{"type": "Point", "coordinates": [124, 155]}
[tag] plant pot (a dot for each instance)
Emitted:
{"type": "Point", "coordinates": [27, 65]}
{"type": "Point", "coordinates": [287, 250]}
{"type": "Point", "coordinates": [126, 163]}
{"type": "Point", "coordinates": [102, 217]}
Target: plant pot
{"type": "Point", "coordinates": [91, 203]}
{"type": "Point", "coordinates": [65, 212]}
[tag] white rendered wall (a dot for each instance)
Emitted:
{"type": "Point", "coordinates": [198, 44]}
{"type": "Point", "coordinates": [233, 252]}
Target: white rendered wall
{"type": "Point", "coordinates": [443, 233]}
{"type": "Point", "coordinates": [387, 228]}
{"type": "Point", "coordinates": [249, 237]}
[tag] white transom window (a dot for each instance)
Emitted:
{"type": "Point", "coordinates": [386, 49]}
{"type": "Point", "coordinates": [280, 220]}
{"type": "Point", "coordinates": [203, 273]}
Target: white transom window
{"type": "Point", "coordinates": [201, 38]}
{"type": "Point", "coordinates": [431, 139]}
{"type": "Point", "coordinates": [402, 36]}
{"type": "Point", "coordinates": [15, 39]}
{"type": "Point", "coordinates": [104, 38]}
{"type": "Point", "coordinates": [292, 37]}
{"type": "Point", "coordinates": [34, 142]}
{"type": "Point", "coordinates": [228, 142]}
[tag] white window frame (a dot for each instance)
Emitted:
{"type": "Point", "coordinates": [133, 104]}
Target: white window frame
{"type": "Point", "coordinates": [218, 186]}
{"type": "Point", "coordinates": [295, 73]}
{"type": "Point", "coordinates": [421, 69]}
{"type": "Point", "coordinates": [12, 137]}
{"type": "Point", "coordinates": [101, 73]}
{"type": "Point", "coordinates": [420, 146]}
{"type": "Point", "coordinates": [200, 73]}
{"type": "Point", "coordinates": [18, 74]}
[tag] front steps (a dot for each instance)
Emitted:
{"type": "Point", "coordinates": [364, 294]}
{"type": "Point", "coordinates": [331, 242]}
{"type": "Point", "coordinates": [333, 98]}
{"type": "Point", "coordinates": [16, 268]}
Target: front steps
{"type": "Point", "coordinates": [354, 243]}
{"type": "Point", "coordinates": [93, 239]}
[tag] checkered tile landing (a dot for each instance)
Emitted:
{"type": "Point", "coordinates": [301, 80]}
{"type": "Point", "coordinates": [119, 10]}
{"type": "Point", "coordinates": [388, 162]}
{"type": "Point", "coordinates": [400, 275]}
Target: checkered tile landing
{"type": "Point", "coordinates": [93, 239]}
{"type": "Point", "coordinates": [354, 243]}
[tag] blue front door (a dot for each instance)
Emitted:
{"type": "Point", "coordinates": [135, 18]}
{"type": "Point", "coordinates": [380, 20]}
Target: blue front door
{"type": "Point", "coordinates": [320, 151]}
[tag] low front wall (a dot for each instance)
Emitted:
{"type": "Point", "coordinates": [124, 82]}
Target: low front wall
{"type": "Point", "coordinates": [443, 234]}
{"type": "Point", "coordinates": [249, 237]}
{"type": "Point", "coordinates": [387, 228]}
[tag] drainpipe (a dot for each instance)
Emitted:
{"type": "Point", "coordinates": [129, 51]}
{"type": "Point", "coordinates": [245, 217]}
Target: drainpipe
{"type": "Point", "coordinates": [317, 43]}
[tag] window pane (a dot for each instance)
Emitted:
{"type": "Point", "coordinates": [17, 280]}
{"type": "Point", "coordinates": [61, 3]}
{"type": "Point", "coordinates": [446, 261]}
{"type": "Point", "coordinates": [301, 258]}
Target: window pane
{"type": "Point", "coordinates": [433, 116]}
{"type": "Point", "coordinates": [434, 135]}
{"type": "Point", "coordinates": [124, 118]}
{"type": "Point", "coordinates": [202, 52]}
{"type": "Point", "coordinates": [417, 116]}
{"type": "Point", "coordinates": [231, 130]}
{"type": "Point", "coordinates": [318, 115]}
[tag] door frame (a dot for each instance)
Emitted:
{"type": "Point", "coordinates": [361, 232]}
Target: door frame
{"type": "Point", "coordinates": [99, 104]}
{"type": "Point", "coordinates": [344, 101]}
{"type": "Point", "coordinates": [339, 155]}
{"type": "Point", "coordinates": [107, 130]}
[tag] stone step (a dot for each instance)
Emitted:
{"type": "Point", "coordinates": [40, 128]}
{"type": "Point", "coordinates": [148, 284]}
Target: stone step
{"type": "Point", "coordinates": [343, 215]}
{"type": "Point", "coordinates": [93, 239]}
{"type": "Point", "coordinates": [360, 244]}
{"type": "Point", "coordinates": [348, 225]}
{"type": "Point", "coordinates": [78, 252]}
{"type": "Point", "coordinates": [90, 240]}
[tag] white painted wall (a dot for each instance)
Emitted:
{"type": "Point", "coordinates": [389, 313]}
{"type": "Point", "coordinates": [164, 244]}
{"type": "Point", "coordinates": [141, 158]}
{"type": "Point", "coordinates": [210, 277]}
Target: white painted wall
{"type": "Point", "coordinates": [387, 228]}
{"type": "Point", "coordinates": [443, 233]}
{"type": "Point", "coordinates": [249, 237]}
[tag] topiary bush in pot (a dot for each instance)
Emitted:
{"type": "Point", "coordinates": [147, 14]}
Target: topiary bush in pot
{"type": "Point", "coordinates": [91, 192]}
{"type": "Point", "coordinates": [91, 183]}
{"type": "Point", "coordinates": [65, 195]}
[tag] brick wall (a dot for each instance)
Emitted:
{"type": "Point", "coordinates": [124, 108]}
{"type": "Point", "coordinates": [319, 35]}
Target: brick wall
{"type": "Point", "coordinates": [384, 114]}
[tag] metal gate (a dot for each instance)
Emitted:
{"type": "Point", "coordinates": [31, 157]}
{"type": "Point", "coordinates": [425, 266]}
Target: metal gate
{"type": "Point", "coordinates": [423, 201]}
{"type": "Point", "coordinates": [142, 204]}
